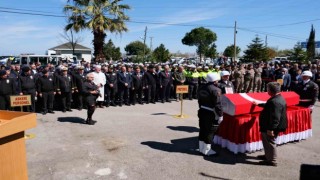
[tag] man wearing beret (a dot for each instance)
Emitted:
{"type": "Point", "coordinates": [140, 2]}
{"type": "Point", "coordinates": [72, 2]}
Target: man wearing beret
{"type": "Point", "coordinates": [7, 89]}
{"type": "Point", "coordinates": [65, 89]}
{"type": "Point", "coordinates": [27, 86]}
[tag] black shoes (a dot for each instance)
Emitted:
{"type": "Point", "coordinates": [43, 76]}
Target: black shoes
{"type": "Point", "coordinates": [44, 113]}
{"type": "Point", "coordinates": [89, 121]}
{"type": "Point", "coordinates": [51, 112]}
{"type": "Point", "coordinates": [69, 110]}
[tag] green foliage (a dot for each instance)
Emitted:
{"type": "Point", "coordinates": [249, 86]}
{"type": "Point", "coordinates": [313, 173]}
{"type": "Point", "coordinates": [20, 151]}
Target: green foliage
{"type": "Point", "coordinates": [298, 54]}
{"type": "Point", "coordinates": [200, 37]}
{"type": "Point", "coordinates": [271, 53]}
{"type": "Point", "coordinates": [229, 51]}
{"type": "Point", "coordinates": [137, 48]}
{"type": "Point", "coordinates": [256, 51]}
{"type": "Point", "coordinates": [98, 16]}
{"type": "Point", "coordinates": [311, 46]}
{"type": "Point", "coordinates": [111, 52]}
{"type": "Point", "coordinates": [285, 52]}
{"type": "Point", "coordinates": [212, 51]}
{"type": "Point", "coordinates": [161, 54]}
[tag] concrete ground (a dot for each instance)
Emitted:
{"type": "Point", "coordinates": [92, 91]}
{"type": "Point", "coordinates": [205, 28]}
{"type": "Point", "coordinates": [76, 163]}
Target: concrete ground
{"type": "Point", "coordinates": [146, 142]}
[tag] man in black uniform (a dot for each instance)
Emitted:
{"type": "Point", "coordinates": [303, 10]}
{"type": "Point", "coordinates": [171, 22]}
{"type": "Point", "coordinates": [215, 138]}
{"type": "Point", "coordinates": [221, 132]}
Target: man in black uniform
{"type": "Point", "coordinates": [210, 107]}
{"type": "Point", "coordinates": [7, 88]}
{"type": "Point", "coordinates": [111, 86]}
{"type": "Point", "coordinates": [65, 89]}
{"type": "Point", "coordinates": [150, 78]}
{"type": "Point", "coordinates": [225, 85]}
{"type": "Point", "coordinates": [137, 86]}
{"type": "Point", "coordinates": [46, 89]}
{"type": "Point", "coordinates": [307, 90]}
{"type": "Point", "coordinates": [91, 92]}
{"type": "Point", "coordinates": [79, 78]}
{"type": "Point", "coordinates": [27, 86]}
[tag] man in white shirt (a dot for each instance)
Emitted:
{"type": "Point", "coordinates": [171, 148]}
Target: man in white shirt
{"type": "Point", "coordinates": [100, 81]}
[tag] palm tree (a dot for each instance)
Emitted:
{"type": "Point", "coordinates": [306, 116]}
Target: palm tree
{"type": "Point", "coordinates": [99, 16]}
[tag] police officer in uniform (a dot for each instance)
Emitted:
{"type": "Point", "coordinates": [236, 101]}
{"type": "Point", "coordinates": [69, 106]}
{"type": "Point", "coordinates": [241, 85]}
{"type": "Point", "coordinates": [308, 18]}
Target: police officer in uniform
{"type": "Point", "coordinates": [79, 78]}
{"type": "Point", "coordinates": [150, 82]}
{"type": "Point", "coordinates": [27, 86]}
{"type": "Point", "coordinates": [91, 93]}
{"type": "Point", "coordinates": [210, 107]}
{"type": "Point", "coordinates": [7, 88]}
{"type": "Point", "coordinates": [193, 81]}
{"type": "Point", "coordinates": [307, 90]}
{"type": "Point", "coordinates": [111, 87]}
{"type": "Point", "coordinates": [65, 89]}
{"type": "Point", "coordinates": [46, 89]}
{"type": "Point", "coordinates": [225, 84]}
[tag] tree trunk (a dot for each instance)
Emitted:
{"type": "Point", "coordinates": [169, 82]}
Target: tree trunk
{"type": "Point", "coordinates": [98, 42]}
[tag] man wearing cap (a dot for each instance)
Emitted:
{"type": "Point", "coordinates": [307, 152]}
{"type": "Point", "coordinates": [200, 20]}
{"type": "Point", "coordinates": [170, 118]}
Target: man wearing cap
{"type": "Point", "coordinates": [111, 86]}
{"type": "Point", "coordinates": [193, 81]}
{"type": "Point", "coordinates": [225, 84]}
{"type": "Point", "coordinates": [248, 78]}
{"type": "Point", "coordinates": [7, 88]}
{"type": "Point", "coordinates": [46, 89]}
{"type": "Point", "coordinates": [307, 90]}
{"type": "Point", "coordinates": [79, 77]}
{"type": "Point", "coordinates": [150, 83]}
{"type": "Point", "coordinates": [210, 107]}
{"type": "Point", "coordinates": [27, 86]}
{"type": "Point", "coordinates": [257, 82]}
{"type": "Point", "coordinates": [100, 81]}
{"type": "Point", "coordinates": [65, 89]}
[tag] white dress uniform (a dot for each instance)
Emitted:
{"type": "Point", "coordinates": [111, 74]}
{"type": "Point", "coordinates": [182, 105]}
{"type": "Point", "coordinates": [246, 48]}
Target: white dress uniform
{"type": "Point", "coordinates": [100, 78]}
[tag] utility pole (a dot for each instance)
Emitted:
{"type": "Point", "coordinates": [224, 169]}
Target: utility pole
{"type": "Point", "coordinates": [266, 41]}
{"type": "Point", "coordinates": [151, 38]}
{"type": "Point", "coordinates": [235, 42]}
{"type": "Point", "coordinates": [144, 42]}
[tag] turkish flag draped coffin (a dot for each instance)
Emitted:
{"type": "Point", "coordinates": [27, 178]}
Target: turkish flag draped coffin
{"type": "Point", "coordinates": [242, 103]}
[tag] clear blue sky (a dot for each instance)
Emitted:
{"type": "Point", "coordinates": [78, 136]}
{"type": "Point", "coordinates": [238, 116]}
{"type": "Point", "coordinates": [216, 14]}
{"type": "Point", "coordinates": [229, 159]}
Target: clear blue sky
{"type": "Point", "coordinates": [35, 34]}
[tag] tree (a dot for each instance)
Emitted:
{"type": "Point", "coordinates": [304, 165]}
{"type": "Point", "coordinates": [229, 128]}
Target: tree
{"type": "Point", "coordinates": [161, 54]}
{"type": "Point", "coordinates": [256, 51]}
{"type": "Point", "coordinates": [311, 44]}
{"type": "Point", "coordinates": [99, 16]}
{"type": "Point", "coordinates": [212, 51]}
{"type": "Point", "coordinates": [136, 48]}
{"type": "Point", "coordinates": [271, 53]}
{"type": "Point", "coordinates": [111, 52]}
{"type": "Point", "coordinates": [298, 53]}
{"type": "Point", "coordinates": [285, 52]}
{"type": "Point", "coordinates": [229, 51]}
{"type": "Point", "coordinates": [71, 39]}
{"type": "Point", "coordinates": [200, 37]}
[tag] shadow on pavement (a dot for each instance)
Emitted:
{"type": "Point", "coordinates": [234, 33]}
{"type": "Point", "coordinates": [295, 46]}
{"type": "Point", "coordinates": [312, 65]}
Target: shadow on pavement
{"type": "Point", "coordinates": [71, 120]}
{"type": "Point", "coordinates": [210, 176]}
{"type": "Point", "coordinates": [188, 129]}
{"type": "Point", "coordinates": [189, 146]}
{"type": "Point", "coordinates": [157, 114]}
{"type": "Point", "coordinates": [185, 145]}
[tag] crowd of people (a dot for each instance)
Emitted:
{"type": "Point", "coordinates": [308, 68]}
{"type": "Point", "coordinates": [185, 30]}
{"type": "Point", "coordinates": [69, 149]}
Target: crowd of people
{"type": "Point", "coordinates": [130, 84]}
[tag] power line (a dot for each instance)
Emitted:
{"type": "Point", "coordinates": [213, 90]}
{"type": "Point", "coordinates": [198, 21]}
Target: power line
{"type": "Point", "coordinates": [30, 10]}
{"type": "Point", "coordinates": [272, 34]}
{"type": "Point", "coordinates": [289, 24]}
{"type": "Point", "coordinates": [35, 14]}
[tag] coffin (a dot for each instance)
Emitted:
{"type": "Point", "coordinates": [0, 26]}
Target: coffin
{"type": "Point", "coordinates": [238, 104]}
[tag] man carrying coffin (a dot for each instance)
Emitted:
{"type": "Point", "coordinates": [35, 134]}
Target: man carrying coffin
{"type": "Point", "coordinates": [210, 107]}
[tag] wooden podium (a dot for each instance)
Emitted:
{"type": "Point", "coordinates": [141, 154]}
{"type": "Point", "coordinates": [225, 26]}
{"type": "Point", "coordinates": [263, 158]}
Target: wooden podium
{"type": "Point", "coordinates": [13, 162]}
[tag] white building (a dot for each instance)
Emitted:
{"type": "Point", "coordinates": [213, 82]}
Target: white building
{"type": "Point", "coordinates": [65, 50]}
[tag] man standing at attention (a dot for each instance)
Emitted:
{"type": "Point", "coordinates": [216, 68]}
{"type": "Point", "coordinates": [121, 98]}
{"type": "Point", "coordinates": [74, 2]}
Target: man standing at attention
{"type": "Point", "coordinates": [272, 120]}
{"type": "Point", "coordinates": [100, 81]}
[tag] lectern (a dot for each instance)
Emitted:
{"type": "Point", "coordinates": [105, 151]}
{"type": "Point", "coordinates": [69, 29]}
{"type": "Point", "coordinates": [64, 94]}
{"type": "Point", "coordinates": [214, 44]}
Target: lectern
{"type": "Point", "coordinates": [13, 162]}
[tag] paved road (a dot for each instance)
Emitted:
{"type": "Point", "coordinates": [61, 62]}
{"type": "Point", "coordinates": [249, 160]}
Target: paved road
{"type": "Point", "coordinates": [146, 142]}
